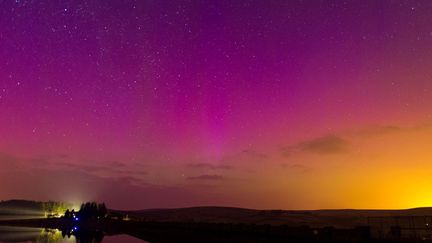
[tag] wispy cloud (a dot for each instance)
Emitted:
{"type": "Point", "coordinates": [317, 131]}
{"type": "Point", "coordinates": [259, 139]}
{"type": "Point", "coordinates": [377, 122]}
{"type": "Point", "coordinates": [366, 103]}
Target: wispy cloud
{"type": "Point", "coordinates": [326, 145]}
{"type": "Point", "coordinates": [378, 130]}
{"type": "Point", "coordinates": [209, 166]}
{"type": "Point", "coordinates": [297, 168]}
{"type": "Point", "coordinates": [245, 156]}
{"type": "Point", "coordinates": [330, 144]}
{"type": "Point", "coordinates": [206, 177]}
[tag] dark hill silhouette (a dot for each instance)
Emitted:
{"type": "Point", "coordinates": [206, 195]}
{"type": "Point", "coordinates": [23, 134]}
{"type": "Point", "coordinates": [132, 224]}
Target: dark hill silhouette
{"type": "Point", "coordinates": [314, 218]}
{"type": "Point", "coordinates": [24, 204]}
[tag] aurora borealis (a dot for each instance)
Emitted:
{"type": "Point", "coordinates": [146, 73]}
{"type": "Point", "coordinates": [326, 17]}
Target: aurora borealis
{"type": "Point", "coordinates": [260, 104]}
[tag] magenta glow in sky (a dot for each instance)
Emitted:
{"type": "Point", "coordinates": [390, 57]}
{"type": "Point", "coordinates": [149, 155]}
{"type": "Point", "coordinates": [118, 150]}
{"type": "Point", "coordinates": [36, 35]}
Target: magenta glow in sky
{"type": "Point", "coordinates": [180, 103]}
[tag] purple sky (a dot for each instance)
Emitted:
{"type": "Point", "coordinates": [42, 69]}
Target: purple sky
{"type": "Point", "coordinates": [180, 103]}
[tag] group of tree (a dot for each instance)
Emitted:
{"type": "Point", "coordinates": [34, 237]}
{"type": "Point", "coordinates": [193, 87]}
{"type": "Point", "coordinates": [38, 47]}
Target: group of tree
{"type": "Point", "coordinates": [70, 213]}
{"type": "Point", "coordinates": [88, 210]}
{"type": "Point", "coordinates": [54, 208]}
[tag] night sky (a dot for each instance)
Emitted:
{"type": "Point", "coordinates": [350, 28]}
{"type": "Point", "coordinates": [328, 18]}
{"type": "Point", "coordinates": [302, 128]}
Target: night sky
{"type": "Point", "coordinates": [260, 104]}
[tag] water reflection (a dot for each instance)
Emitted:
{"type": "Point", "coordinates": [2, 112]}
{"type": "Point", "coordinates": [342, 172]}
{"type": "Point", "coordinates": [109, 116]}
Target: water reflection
{"type": "Point", "coordinates": [53, 236]}
{"type": "Point", "coordinates": [15, 234]}
{"type": "Point", "coordinates": [21, 234]}
{"type": "Point", "coordinates": [82, 236]}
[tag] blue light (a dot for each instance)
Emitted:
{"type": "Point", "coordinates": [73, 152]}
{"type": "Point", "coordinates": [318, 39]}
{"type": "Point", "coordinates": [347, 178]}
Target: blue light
{"type": "Point", "coordinates": [76, 219]}
{"type": "Point", "coordinates": [75, 228]}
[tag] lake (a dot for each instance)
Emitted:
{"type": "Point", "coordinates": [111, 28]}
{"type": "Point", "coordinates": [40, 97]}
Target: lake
{"type": "Point", "coordinates": [22, 234]}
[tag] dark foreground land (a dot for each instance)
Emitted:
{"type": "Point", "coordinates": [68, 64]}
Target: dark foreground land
{"type": "Point", "coordinates": [209, 232]}
{"type": "Point", "coordinates": [227, 224]}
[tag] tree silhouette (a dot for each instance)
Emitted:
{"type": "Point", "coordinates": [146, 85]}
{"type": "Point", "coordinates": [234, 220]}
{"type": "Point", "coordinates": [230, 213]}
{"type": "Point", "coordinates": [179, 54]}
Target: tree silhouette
{"type": "Point", "coordinates": [92, 210]}
{"type": "Point", "coordinates": [67, 214]}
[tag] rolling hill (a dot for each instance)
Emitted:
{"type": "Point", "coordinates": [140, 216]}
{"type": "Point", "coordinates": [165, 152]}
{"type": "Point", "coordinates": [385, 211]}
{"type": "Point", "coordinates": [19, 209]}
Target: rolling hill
{"type": "Point", "coordinates": [315, 218]}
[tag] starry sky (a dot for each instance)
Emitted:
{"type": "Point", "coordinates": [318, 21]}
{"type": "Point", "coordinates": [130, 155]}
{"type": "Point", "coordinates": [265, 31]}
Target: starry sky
{"type": "Point", "coordinates": [259, 104]}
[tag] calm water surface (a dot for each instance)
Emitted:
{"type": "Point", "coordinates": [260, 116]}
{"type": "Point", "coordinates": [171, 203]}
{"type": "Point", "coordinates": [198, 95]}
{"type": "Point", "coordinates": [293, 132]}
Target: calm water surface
{"type": "Point", "coordinates": [21, 234]}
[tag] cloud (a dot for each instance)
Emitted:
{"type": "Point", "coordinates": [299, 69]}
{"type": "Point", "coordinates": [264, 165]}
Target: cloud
{"type": "Point", "coordinates": [382, 130]}
{"type": "Point", "coordinates": [116, 167]}
{"type": "Point", "coordinates": [206, 177]}
{"type": "Point", "coordinates": [209, 166]}
{"type": "Point", "coordinates": [113, 170]}
{"type": "Point", "coordinates": [326, 145]}
{"type": "Point", "coordinates": [330, 144]}
{"type": "Point", "coordinates": [83, 167]}
{"type": "Point", "coordinates": [67, 185]}
{"type": "Point", "coordinates": [245, 156]}
{"type": "Point", "coordinates": [287, 151]}
{"type": "Point", "coordinates": [378, 130]}
{"type": "Point", "coordinates": [253, 153]}
{"type": "Point", "coordinates": [72, 182]}
{"type": "Point", "coordinates": [115, 164]}
{"type": "Point", "coordinates": [297, 167]}
{"type": "Point", "coordinates": [337, 143]}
